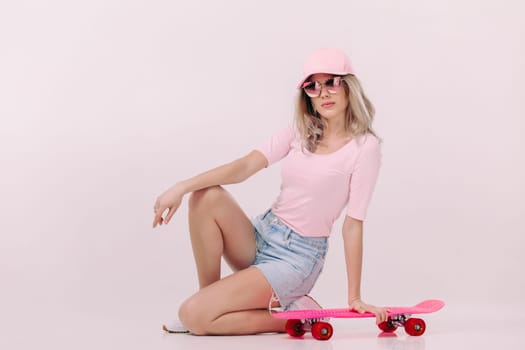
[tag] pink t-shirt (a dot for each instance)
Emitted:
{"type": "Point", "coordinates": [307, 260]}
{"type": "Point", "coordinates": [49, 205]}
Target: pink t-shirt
{"type": "Point", "coordinates": [316, 187]}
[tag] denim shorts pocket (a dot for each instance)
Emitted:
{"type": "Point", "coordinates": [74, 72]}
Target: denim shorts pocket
{"type": "Point", "coordinates": [260, 242]}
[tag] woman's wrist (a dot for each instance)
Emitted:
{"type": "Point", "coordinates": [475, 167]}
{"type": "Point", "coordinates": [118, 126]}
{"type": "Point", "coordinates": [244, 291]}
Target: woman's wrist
{"type": "Point", "coordinates": [181, 187]}
{"type": "Point", "coordinates": [353, 299]}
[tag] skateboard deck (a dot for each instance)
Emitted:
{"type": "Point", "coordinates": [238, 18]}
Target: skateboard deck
{"type": "Point", "coordinates": [300, 321]}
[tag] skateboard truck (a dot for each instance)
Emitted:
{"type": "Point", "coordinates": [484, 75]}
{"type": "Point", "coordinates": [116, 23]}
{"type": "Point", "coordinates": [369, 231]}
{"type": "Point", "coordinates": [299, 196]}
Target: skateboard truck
{"type": "Point", "coordinates": [413, 326]}
{"type": "Point", "coordinates": [320, 329]}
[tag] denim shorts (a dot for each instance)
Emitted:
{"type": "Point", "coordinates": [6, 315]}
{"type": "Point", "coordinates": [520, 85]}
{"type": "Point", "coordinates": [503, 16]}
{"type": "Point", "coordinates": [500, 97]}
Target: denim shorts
{"type": "Point", "coordinates": [290, 262]}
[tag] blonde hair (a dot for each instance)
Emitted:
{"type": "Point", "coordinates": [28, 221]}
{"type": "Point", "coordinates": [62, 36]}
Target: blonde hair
{"type": "Point", "coordinates": [358, 119]}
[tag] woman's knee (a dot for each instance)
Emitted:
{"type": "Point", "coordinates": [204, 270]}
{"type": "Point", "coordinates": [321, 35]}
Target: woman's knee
{"type": "Point", "coordinates": [204, 196]}
{"type": "Point", "coordinates": [192, 317]}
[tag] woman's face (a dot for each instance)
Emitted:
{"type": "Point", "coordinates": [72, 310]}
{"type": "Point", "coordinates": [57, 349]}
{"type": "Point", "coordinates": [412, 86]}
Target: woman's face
{"type": "Point", "coordinates": [329, 105]}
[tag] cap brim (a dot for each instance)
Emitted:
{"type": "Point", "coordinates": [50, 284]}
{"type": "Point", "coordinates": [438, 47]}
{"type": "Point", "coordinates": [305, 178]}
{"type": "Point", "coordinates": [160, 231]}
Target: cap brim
{"type": "Point", "coordinates": [300, 86]}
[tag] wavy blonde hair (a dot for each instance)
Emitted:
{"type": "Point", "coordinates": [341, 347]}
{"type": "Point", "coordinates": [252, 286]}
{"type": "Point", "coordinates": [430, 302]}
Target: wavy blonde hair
{"type": "Point", "coordinates": [358, 119]}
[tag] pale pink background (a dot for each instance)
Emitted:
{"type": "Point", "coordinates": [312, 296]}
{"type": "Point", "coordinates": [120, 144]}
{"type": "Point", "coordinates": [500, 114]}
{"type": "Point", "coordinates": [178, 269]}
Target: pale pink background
{"type": "Point", "coordinates": [104, 104]}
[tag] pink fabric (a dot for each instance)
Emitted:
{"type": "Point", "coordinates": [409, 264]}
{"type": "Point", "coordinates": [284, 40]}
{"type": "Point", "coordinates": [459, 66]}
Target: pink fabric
{"type": "Point", "coordinates": [326, 60]}
{"type": "Point", "coordinates": [316, 187]}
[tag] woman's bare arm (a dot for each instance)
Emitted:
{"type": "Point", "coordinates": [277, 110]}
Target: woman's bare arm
{"type": "Point", "coordinates": [230, 173]}
{"type": "Point", "coordinates": [353, 242]}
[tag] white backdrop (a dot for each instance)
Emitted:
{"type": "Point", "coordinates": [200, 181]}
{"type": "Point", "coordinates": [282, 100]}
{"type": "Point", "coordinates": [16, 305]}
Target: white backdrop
{"type": "Point", "coordinates": [104, 104]}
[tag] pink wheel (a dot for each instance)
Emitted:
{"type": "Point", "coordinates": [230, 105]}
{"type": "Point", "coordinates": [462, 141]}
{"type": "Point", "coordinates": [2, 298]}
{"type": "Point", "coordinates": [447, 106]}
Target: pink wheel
{"type": "Point", "coordinates": [294, 328]}
{"type": "Point", "coordinates": [415, 326]}
{"type": "Point", "coordinates": [387, 326]}
{"type": "Point", "coordinates": [322, 330]}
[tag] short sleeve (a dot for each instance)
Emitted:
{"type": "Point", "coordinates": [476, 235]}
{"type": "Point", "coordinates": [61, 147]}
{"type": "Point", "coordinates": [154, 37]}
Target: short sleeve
{"type": "Point", "coordinates": [278, 146]}
{"type": "Point", "coordinates": [364, 178]}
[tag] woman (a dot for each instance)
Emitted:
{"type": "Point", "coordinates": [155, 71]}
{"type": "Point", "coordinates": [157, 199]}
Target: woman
{"type": "Point", "coordinates": [331, 158]}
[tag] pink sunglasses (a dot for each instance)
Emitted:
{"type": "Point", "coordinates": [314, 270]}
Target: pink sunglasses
{"type": "Point", "coordinates": [313, 88]}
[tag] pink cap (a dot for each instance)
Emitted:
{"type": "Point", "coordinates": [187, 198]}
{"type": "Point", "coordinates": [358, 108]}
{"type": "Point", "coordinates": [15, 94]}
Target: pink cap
{"type": "Point", "coordinates": [326, 60]}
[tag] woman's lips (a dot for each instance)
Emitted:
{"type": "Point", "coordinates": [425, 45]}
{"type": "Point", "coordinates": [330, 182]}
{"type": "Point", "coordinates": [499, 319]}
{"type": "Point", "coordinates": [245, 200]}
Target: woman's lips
{"type": "Point", "coordinates": [327, 104]}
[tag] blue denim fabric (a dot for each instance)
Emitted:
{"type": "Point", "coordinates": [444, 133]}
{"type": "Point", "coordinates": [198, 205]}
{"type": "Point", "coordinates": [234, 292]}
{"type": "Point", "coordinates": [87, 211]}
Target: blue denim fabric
{"type": "Point", "coordinates": [290, 262]}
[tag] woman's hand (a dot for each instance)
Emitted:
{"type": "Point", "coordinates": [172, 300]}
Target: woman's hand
{"type": "Point", "coordinates": [171, 200]}
{"type": "Point", "coordinates": [361, 307]}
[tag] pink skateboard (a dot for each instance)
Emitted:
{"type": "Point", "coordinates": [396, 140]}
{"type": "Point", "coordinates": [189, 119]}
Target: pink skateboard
{"type": "Point", "coordinates": [300, 321]}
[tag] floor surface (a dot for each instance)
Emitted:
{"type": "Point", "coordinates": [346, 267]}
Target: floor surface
{"type": "Point", "coordinates": [454, 327]}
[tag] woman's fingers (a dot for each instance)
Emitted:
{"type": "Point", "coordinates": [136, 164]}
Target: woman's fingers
{"type": "Point", "coordinates": [170, 201]}
{"type": "Point", "coordinates": [169, 216]}
{"type": "Point", "coordinates": [381, 315]}
{"type": "Point", "coordinates": [157, 220]}
{"type": "Point", "coordinates": [361, 307]}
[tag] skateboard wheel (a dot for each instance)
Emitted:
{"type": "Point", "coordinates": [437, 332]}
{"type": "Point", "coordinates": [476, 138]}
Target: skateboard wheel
{"type": "Point", "coordinates": [295, 328]}
{"type": "Point", "coordinates": [415, 326]}
{"type": "Point", "coordinates": [322, 330]}
{"type": "Point", "coordinates": [387, 326]}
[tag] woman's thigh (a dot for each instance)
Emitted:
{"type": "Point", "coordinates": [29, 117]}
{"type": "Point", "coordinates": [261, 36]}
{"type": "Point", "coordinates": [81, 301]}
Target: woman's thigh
{"type": "Point", "coordinates": [236, 228]}
{"type": "Point", "coordinates": [244, 290]}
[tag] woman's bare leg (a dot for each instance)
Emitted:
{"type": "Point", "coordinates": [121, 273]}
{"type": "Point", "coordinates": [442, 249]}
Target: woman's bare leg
{"type": "Point", "coordinates": [219, 227]}
{"type": "Point", "coordinates": [234, 305]}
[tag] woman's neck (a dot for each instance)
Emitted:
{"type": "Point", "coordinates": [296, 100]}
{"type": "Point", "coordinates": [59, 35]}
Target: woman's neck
{"type": "Point", "coordinates": [334, 128]}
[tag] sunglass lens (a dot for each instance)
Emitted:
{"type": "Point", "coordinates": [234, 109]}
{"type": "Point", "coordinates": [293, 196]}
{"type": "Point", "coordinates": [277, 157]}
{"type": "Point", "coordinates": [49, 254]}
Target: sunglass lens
{"type": "Point", "coordinates": [312, 89]}
{"type": "Point", "coordinates": [333, 84]}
